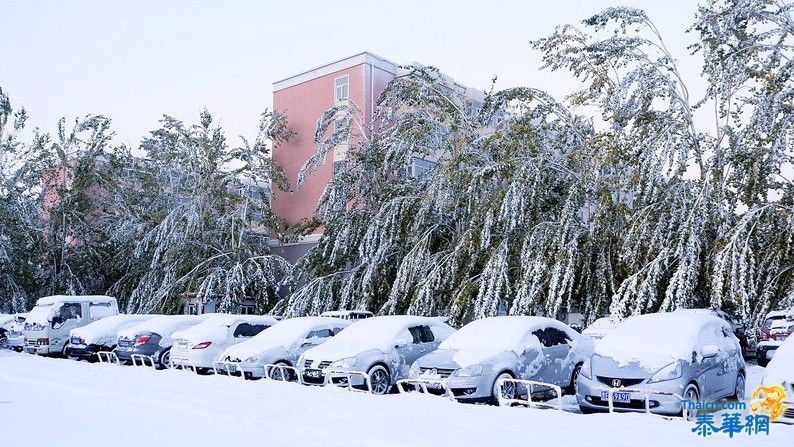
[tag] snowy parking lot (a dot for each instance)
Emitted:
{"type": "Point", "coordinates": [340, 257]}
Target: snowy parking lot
{"type": "Point", "coordinates": [46, 401]}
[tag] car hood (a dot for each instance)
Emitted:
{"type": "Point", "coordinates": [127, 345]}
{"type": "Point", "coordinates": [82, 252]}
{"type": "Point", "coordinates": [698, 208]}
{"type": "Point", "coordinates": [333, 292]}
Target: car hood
{"type": "Point", "coordinates": [608, 367]}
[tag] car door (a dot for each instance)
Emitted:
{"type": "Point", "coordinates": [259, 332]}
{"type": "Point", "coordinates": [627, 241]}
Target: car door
{"type": "Point", "coordinates": [421, 343]}
{"type": "Point", "coordinates": [555, 345]}
{"type": "Point", "coordinates": [69, 316]}
{"type": "Point", "coordinates": [709, 368]}
{"type": "Point", "coordinates": [315, 337]}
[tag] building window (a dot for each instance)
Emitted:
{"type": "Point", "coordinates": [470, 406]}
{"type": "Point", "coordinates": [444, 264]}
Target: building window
{"type": "Point", "coordinates": [341, 88]}
{"type": "Point", "coordinates": [247, 309]}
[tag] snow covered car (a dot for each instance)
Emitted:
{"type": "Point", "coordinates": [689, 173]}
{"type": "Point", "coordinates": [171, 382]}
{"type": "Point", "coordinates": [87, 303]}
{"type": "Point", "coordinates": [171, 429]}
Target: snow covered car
{"type": "Point", "coordinates": [199, 346]}
{"type": "Point", "coordinates": [48, 324]}
{"type": "Point", "coordinates": [101, 335]}
{"type": "Point", "coordinates": [470, 362]}
{"type": "Point", "coordinates": [601, 327]}
{"type": "Point", "coordinates": [780, 371]}
{"type": "Point", "coordinates": [738, 329]}
{"type": "Point", "coordinates": [662, 355]}
{"type": "Point", "coordinates": [5, 323]}
{"type": "Point", "coordinates": [348, 314]}
{"type": "Point", "coordinates": [779, 330]}
{"type": "Point", "coordinates": [382, 347]}
{"type": "Point", "coordinates": [15, 338]}
{"type": "Point", "coordinates": [280, 344]}
{"type": "Point", "coordinates": [152, 338]}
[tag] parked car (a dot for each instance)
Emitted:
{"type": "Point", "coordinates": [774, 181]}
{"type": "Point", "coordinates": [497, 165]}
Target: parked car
{"type": "Point", "coordinates": [5, 323]}
{"type": "Point", "coordinates": [101, 335]}
{"type": "Point", "coordinates": [348, 314]}
{"type": "Point", "coordinates": [473, 359]}
{"type": "Point", "coordinates": [50, 321]}
{"type": "Point", "coordinates": [691, 354]}
{"type": "Point", "coordinates": [383, 347]}
{"type": "Point", "coordinates": [599, 328]}
{"type": "Point", "coordinates": [780, 371]}
{"type": "Point", "coordinates": [739, 329]}
{"type": "Point", "coordinates": [16, 335]}
{"type": "Point", "coordinates": [153, 338]}
{"type": "Point", "coordinates": [200, 345]}
{"type": "Point", "coordinates": [280, 344]}
{"type": "Point", "coordinates": [763, 331]}
{"type": "Point", "coordinates": [778, 331]}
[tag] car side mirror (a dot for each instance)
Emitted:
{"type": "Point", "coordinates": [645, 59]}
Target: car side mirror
{"type": "Point", "coordinates": [56, 321]}
{"type": "Point", "coordinates": [709, 351]}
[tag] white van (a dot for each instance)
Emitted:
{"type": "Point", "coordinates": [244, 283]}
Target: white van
{"type": "Point", "coordinates": [48, 324]}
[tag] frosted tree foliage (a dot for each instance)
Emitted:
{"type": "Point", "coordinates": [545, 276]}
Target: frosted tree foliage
{"type": "Point", "coordinates": [539, 209]}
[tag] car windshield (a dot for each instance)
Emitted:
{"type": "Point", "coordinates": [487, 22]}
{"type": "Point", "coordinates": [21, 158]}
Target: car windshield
{"type": "Point", "coordinates": [503, 332]}
{"type": "Point", "coordinates": [41, 314]}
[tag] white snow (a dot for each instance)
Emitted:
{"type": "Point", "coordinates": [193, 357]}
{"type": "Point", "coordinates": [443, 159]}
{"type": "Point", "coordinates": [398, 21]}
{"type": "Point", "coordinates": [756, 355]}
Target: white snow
{"type": "Point", "coordinates": [283, 334]}
{"type": "Point", "coordinates": [484, 338]}
{"type": "Point", "coordinates": [105, 331]}
{"type": "Point", "coordinates": [164, 326]}
{"type": "Point", "coordinates": [216, 327]}
{"type": "Point", "coordinates": [5, 319]}
{"type": "Point", "coordinates": [600, 327]}
{"type": "Point", "coordinates": [781, 368]}
{"type": "Point", "coordinates": [655, 340]}
{"type": "Point", "coordinates": [374, 333]}
{"type": "Point", "coordinates": [49, 401]}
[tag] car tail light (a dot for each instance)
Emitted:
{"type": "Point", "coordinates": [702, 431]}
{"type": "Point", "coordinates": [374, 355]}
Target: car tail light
{"type": "Point", "coordinates": [763, 335]}
{"type": "Point", "coordinates": [202, 345]}
{"type": "Point", "coordinates": [142, 340]}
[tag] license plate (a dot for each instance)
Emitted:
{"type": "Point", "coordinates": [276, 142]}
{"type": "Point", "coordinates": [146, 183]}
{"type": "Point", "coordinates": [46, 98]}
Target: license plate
{"type": "Point", "coordinates": [617, 396]}
{"type": "Point", "coordinates": [231, 367]}
{"type": "Point", "coordinates": [316, 373]}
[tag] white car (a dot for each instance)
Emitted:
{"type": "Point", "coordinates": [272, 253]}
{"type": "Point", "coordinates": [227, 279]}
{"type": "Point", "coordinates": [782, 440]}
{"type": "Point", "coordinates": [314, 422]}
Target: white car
{"type": "Point", "coordinates": [152, 339]}
{"type": "Point", "coordinates": [16, 335]}
{"type": "Point", "coordinates": [600, 327]}
{"type": "Point", "coordinates": [472, 361]}
{"type": "Point", "coordinates": [101, 335]}
{"type": "Point", "coordinates": [199, 346]}
{"type": "Point", "coordinates": [780, 371]}
{"type": "Point", "coordinates": [280, 344]}
{"type": "Point", "coordinates": [383, 348]}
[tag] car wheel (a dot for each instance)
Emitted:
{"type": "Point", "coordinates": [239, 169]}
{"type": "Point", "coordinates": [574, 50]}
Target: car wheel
{"type": "Point", "coordinates": [507, 392]}
{"type": "Point", "coordinates": [739, 390]}
{"type": "Point", "coordinates": [283, 374]}
{"type": "Point", "coordinates": [165, 359]}
{"type": "Point", "coordinates": [379, 380]}
{"type": "Point", "coordinates": [691, 394]}
{"type": "Point", "coordinates": [574, 377]}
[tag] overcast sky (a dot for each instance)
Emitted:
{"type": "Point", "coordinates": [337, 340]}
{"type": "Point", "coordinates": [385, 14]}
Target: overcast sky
{"type": "Point", "coordinates": [135, 61]}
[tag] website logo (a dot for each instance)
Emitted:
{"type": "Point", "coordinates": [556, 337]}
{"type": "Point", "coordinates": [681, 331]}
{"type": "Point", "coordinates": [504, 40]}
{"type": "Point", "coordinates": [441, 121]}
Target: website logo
{"type": "Point", "coordinates": [768, 401]}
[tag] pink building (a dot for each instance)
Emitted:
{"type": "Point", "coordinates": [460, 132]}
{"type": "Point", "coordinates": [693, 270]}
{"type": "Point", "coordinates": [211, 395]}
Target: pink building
{"type": "Point", "coordinates": [357, 80]}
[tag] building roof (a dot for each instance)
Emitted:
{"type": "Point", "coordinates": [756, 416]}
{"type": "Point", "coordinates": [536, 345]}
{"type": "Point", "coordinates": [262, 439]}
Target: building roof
{"type": "Point", "coordinates": [335, 66]}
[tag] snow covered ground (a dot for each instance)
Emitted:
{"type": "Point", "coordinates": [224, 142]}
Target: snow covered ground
{"type": "Point", "coordinates": [67, 403]}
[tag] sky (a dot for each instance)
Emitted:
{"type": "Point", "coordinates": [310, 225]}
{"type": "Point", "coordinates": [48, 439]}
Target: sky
{"type": "Point", "coordinates": [135, 61]}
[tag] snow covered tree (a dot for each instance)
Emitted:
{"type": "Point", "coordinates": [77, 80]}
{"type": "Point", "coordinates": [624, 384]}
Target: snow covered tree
{"type": "Point", "coordinates": [198, 218]}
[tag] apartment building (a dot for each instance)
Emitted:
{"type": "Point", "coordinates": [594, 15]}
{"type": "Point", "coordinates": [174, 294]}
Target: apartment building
{"type": "Point", "coordinates": [357, 81]}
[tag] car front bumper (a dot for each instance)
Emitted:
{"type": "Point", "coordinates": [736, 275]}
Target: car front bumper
{"type": "Point", "coordinates": [588, 396]}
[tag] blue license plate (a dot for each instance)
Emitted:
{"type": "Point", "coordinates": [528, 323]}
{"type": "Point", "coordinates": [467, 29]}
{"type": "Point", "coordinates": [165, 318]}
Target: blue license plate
{"type": "Point", "coordinates": [617, 396]}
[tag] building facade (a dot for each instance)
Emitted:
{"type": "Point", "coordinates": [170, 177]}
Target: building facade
{"type": "Point", "coordinates": [356, 81]}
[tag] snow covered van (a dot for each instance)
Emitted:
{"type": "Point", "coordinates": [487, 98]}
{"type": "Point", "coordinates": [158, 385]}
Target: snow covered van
{"type": "Point", "coordinates": [49, 323]}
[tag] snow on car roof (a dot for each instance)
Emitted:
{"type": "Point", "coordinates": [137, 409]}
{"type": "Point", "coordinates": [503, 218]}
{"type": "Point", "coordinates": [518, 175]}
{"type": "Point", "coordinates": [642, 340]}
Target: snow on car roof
{"type": "Point", "coordinates": [505, 333]}
{"type": "Point", "coordinates": [282, 335]}
{"type": "Point", "coordinates": [782, 323]}
{"type": "Point", "coordinates": [655, 340]}
{"type": "Point", "coordinates": [781, 368]}
{"type": "Point", "coordinates": [162, 325]}
{"type": "Point", "coordinates": [214, 326]}
{"type": "Point", "coordinates": [49, 300]}
{"type": "Point", "coordinates": [108, 326]}
{"type": "Point", "coordinates": [371, 333]}
{"type": "Point", "coordinates": [601, 325]}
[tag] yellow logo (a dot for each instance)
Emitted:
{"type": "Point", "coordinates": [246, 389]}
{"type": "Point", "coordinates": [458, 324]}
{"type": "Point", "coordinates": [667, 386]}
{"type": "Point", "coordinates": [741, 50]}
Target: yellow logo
{"type": "Point", "coordinates": [768, 400]}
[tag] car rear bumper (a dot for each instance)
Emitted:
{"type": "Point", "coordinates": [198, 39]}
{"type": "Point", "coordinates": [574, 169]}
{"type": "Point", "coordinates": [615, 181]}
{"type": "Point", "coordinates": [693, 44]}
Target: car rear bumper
{"type": "Point", "coordinates": [85, 352]}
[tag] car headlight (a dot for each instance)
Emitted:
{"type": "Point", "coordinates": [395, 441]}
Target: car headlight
{"type": "Point", "coordinates": [469, 371]}
{"type": "Point", "coordinates": [669, 372]}
{"type": "Point", "coordinates": [586, 371]}
{"type": "Point", "coordinates": [347, 362]}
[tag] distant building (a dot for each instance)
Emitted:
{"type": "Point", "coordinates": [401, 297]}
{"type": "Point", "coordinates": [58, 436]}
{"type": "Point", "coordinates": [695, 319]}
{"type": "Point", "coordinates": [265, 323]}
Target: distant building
{"type": "Point", "coordinates": [357, 80]}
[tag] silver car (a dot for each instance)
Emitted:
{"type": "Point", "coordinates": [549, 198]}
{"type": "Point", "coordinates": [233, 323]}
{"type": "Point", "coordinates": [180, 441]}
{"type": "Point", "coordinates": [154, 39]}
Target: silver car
{"type": "Point", "coordinates": [379, 348]}
{"type": "Point", "coordinates": [471, 361]}
{"type": "Point", "coordinates": [664, 357]}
